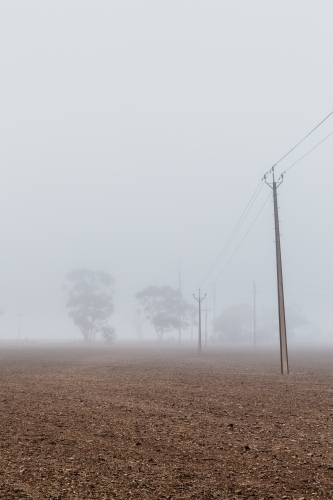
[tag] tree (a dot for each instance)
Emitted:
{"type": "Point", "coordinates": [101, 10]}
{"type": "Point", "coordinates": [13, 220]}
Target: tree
{"type": "Point", "coordinates": [108, 333]}
{"type": "Point", "coordinates": [269, 321]}
{"type": "Point", "coordinates": [294, 318]}
{"type": "Point", "coordinates": [235, 323]}
{"type": "Point", "coordinates": [90, 300]}
{"type": "Point", "coordinates": [137, 319]}
{"type": "Point", "coordinates": [192, 316]}
{"type": "Point", "coordinates": [162, 307]}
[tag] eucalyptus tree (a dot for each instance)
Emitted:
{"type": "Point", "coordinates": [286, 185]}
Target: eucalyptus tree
{"type": "Point", "coordinates": [90, 301]}
{"type": "Point", "coordinates": [164, 308]}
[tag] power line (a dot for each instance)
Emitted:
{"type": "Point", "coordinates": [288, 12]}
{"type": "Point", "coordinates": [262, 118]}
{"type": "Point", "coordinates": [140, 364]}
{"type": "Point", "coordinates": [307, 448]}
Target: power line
{"type": "Point", "coordinates": [300, 142]}
{"type": "Point", "coordinates": [307, 153]}
{"type": "Point", "coordinates": [235, 231]}
{"type": "Point", "coordinates": [256, 193]}
{"type": "Point", "coordinates": [243, 238]}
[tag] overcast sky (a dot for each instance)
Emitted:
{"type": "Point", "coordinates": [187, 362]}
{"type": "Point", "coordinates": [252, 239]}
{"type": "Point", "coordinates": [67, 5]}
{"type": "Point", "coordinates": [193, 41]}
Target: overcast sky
{"type": "Point", "coordinates": [133, 134]}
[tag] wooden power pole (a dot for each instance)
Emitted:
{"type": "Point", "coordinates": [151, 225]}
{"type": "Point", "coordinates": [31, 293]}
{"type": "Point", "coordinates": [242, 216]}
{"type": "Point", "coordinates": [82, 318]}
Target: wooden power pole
{"type": "Point", "coordinates": [206, 311]}
{"type": "Point", "coordinates": [199, 300]}
{"type": "Point", "coordinates": [254, 315]}
{"type": "Point", "coordinates": [282, 316]}
{"type": "Point", "coordinates": [214, 312]}
{"type": "Point", "coordinates": [179, 302]}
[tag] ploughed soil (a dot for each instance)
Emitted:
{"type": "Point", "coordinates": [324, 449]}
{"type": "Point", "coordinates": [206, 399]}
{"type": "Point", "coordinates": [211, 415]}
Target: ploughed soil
{"type": "Point", "coordinates": [155, 423]}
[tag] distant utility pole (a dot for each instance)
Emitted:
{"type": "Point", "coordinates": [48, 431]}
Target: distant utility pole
{"type": "Point", "coordinates": [206, 310]}
{"type": "Point", "coordinates": [199, 300]}
{"type": "Point", "coordinates": [193, 320]}
{"type": "Point", "coordinates": [214, 312]}
{"type": "Point", "coordinates": [179, 301]}
{"type": "Point", "coordinates": [19, 327]}
{"type": "Point", "coordinates": [254, 315]}
{"type": "Point", "coordinates": [282, 316]}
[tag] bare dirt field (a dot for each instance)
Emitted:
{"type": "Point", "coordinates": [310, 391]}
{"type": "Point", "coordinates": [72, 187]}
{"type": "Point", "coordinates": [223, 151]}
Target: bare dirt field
{"type": "Point", "coordinates": [122, 423]}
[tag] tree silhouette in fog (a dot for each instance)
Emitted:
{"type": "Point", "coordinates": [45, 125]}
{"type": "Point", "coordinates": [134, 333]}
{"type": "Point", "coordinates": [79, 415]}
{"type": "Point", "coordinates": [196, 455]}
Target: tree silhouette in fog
{"type": "Point", "coordinates": [137, 319]}
{"type": "Point", "coordinates": [90, 302]}
{"type": "Point", "coordinates": [163, 306]}
{"type": "Point", "coordinates": [268, 321]}
{"type": "Point", "coordinates": [235, 324]}
{"type": "Point", "coordinates": [108, 333]}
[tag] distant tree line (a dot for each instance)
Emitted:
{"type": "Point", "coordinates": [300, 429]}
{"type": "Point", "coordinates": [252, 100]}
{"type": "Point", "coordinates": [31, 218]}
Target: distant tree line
{"type": "Point", "coordinates": [90, 306]}
{"type": "Point", "coordinates": [236, 323]}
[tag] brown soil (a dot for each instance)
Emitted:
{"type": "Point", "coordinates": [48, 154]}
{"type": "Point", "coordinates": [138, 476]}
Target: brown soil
{"type": "Point", "coordinates": [120, 423]}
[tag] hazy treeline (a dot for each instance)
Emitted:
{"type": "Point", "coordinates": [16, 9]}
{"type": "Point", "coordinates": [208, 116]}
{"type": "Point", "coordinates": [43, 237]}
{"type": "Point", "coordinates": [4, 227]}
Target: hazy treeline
{"type": "Point", "coordinates": [238, 323]}
{"type": "Point", "coordinates": [90, 306]}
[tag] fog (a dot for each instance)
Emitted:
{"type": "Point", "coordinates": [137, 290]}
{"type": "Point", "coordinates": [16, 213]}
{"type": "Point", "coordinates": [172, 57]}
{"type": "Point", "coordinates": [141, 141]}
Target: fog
{"type": "Point", "coordinates": [133, 135]}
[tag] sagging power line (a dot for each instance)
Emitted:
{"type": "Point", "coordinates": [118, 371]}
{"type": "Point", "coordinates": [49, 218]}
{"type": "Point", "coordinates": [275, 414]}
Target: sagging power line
{"type": "Point", "coordinates": [235, 231]}
{"type": "Point", "coordinates": [273, 185]}
{"type": "Point", "coordinates": [300, 142]}
{"type": "Point", "coordinates": [242, 240]}
{"type": "Point", "coordinates": [256, 193]}
{"type": "Point", "coordinates": [306, 154]}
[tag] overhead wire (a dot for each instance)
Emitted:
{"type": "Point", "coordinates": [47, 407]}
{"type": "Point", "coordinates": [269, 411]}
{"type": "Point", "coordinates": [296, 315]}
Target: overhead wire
{"type": "Point", "coordinates": [235, 231]}
{"type": "Point", "coordinates": [247, 232]}
{"type": "Point", "coordinates": [255, 195]}
{"type": "Point", "coordinates": [306, 154]}
{"type": "Point", "coordinates": [300, 142]}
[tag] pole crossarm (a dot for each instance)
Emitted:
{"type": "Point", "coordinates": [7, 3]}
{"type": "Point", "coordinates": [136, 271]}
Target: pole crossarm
{"type": "Point", "coordinates": [271, 184]}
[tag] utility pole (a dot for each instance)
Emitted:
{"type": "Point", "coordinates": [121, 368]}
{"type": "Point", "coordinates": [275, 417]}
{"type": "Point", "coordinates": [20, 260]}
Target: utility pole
{"type": "Point", "coordinates": [254, 315]}
{"type": "Point", "coordinates": [19, 327]}
{"type": "Point", "coordinates": [282, 316]}
{"type": "Point", "coordinates": [214, 312]}
{"type": "Point", "coordinates": [206, 310]}
{"type": "Point", "coordinates": [179, 301]}
{"type": "Point", "coordinates": [199, 300]}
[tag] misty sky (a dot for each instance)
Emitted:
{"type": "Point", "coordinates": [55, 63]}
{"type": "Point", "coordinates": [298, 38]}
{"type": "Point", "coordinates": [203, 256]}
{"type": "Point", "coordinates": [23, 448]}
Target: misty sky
{"type": "Point", "coordinates": [133, 134]}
